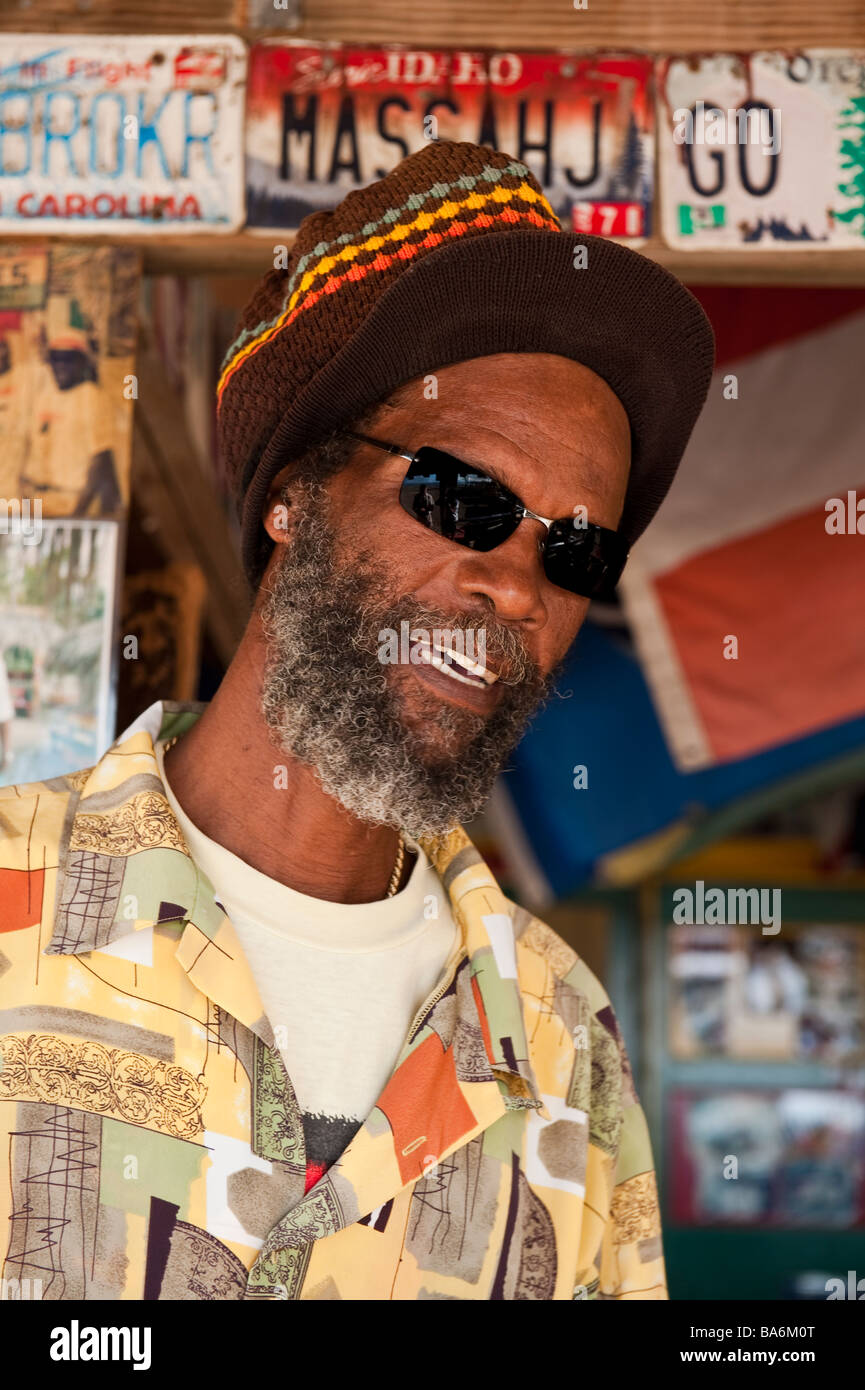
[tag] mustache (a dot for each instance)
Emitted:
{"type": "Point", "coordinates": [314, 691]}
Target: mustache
{"type": "Point", "coordinates": [505, 650]}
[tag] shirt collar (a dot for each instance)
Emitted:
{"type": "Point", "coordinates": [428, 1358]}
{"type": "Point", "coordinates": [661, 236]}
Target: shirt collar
{"type": "Point", "coordinates": [124, 852]}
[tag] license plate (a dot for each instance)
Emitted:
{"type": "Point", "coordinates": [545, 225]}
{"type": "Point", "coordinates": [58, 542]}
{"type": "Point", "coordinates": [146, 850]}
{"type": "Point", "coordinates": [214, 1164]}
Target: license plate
{"type": "Point", "coordinates": [323, 119]}
{"type": "Point", "coordinates": [765, 151]}
{"type": "Point", "coordinates": [138, 134]}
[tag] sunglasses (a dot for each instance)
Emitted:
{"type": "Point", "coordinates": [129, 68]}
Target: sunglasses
{"type": "Point", "coordinates": [464, 504]}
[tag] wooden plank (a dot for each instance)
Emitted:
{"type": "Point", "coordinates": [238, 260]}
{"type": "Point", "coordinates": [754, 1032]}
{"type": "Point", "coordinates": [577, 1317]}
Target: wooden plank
{"type": "Point", "coordinates": [246, 254]}
{"type": "Point", "coordinates": [659, 26]}
{"type": "Point", "coordinates": [163, 609]}
{"type": "Point", "coordinates": [159, 519]}
{"type": "Point", "coordinates": [252, 255]}
{"type": "Point", "coordinates": [177, 541]}
{"type": "Point", "coordinates": [173, 486]}
{"type": "Point", "coordinates": [761, 267]}
{"type": "Point", "coordinates": [120, 16]}
{"type": "Point", "coordinates": [653, 25]}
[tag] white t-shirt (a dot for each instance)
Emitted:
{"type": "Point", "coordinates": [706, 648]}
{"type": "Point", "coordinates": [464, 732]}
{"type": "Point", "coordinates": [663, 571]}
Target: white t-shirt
{"type": "Point", "coordinates": [340, 982]}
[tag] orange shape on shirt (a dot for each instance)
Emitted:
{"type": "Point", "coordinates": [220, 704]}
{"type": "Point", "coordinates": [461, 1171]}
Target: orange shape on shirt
{"type": "Point", "coordinates": [20, 898]}
{"type": "Point", "coordinates": [425, 1107]}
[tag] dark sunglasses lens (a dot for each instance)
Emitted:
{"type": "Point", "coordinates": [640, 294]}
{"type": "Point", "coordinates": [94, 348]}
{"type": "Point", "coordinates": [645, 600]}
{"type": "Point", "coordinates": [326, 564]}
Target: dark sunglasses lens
{"type": "Point", "coordinates": [457, 501]}
{"type": "Point", "coordinates": [585, 560]}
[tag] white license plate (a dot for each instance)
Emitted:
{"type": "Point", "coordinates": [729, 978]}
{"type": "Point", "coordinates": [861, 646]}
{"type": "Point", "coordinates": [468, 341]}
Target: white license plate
{"type": "Point", "coordinates": [763, 151]}
{"type": "Point", "coordinates": [105, 134]}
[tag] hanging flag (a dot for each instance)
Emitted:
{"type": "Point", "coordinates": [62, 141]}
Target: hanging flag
{"type": "Point", "coordinates": [598, 796]}
{"type": "Point", "coordinates": [746, 595]}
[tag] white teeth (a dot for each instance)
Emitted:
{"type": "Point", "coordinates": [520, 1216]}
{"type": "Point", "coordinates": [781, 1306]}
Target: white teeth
{"type": "Point", "coordinates": [431, 657]}
{"type": "Point", "coordinates": [487, 676]}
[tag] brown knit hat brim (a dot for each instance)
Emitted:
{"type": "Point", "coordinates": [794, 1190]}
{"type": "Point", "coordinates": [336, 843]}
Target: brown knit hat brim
{"type": "Point", "coordinates": [623, 316]}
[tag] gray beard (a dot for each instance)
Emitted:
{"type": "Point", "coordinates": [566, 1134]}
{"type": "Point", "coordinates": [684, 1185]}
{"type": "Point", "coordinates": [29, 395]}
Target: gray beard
{"type": "Point", "coordinates": [327, 699]}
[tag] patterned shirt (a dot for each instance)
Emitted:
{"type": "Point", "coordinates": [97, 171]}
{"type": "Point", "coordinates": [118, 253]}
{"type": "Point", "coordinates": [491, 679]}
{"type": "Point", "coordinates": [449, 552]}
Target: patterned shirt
{"type": "Point", "coordinates": [155, 1145]}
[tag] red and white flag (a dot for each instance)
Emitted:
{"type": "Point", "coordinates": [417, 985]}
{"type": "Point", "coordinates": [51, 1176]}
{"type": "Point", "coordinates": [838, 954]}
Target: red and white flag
{"type": "Point", "coordinates": [746, 595]}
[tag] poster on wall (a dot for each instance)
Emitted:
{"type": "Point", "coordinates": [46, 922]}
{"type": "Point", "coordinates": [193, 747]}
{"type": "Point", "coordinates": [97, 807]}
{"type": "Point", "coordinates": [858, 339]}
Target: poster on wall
{"type": "Point", "coordinates": [323, 119]}
{"type": "Point", "coordinates": [797, 997]}
{"type": "Point", "coordinates": [139, 133]}
{"type": "Point", "coordinates": [762, 151]}
{"type": "Point", "coordinates": [58, 598]}
{"type": "Point", "coordinates": [68, 322]}
{"type": "Point", "coordinates": [783, 1158]}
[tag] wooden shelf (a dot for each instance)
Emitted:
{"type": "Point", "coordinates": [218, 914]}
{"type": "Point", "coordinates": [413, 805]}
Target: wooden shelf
{"type": "Point", "coordinates": [662, 26]}
{"type": "Point", "coordinates": [248, 254]}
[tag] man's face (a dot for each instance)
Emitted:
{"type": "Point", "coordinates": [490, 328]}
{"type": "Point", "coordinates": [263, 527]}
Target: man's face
{"type": "Point", "coordinates": [404, 742]}
{"type": "Point", "coordinates": [69, 366]}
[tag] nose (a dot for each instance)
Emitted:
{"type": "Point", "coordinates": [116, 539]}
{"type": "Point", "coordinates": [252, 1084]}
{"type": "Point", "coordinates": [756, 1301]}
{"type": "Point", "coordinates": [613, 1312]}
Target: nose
{"type": "Point", "coordinates": [509, 579]}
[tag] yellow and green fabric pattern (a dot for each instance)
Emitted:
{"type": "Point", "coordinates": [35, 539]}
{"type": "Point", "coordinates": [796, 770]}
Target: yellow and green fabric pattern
{"type": "Point", "coordinates": [155, 1145]}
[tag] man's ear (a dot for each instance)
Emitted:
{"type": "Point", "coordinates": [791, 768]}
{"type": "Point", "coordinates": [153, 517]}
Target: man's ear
{"type": "Point", "coordinates": [276, 517]}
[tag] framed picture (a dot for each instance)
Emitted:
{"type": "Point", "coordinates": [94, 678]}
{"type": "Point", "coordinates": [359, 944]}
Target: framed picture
{"type": "Point", "coordinates": [793, 1157]}
{"type": "Point", "coordinates": [799, 996]}
{"type": "Point", "coordinates": [58, 600]}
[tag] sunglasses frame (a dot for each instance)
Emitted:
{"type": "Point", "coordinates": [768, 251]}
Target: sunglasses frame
{"type": "Point", "coordinates": [607, 586]}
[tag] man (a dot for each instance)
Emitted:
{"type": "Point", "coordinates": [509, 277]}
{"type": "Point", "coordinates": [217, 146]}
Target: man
{"type": "Point", "coordinates": [258, 976]}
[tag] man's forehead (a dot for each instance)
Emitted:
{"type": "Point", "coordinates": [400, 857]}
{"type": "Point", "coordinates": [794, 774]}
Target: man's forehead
{"type": "Point", "coordinates": [506, 380]}
{"type": "Point", "coordinates": [590, 421]}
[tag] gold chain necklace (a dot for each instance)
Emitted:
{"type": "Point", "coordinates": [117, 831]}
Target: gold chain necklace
{"type": "Point", "coordinates": [400, 849]}
{"type": "Point", "coordinates": [397, 868]}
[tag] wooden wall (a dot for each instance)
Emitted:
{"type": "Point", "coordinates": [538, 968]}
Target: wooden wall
{"type": "Point", "coordinates": [653, 25]}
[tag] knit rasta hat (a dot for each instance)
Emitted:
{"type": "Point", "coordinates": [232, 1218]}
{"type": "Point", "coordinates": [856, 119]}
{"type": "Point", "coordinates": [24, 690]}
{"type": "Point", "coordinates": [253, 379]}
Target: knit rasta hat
{"type": "Point", "coordinates": [455, 254]}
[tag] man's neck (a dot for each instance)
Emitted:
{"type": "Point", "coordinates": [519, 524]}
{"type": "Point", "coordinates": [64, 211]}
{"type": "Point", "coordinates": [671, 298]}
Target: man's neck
{"type": "Point", "coordinates": [256, 800]}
